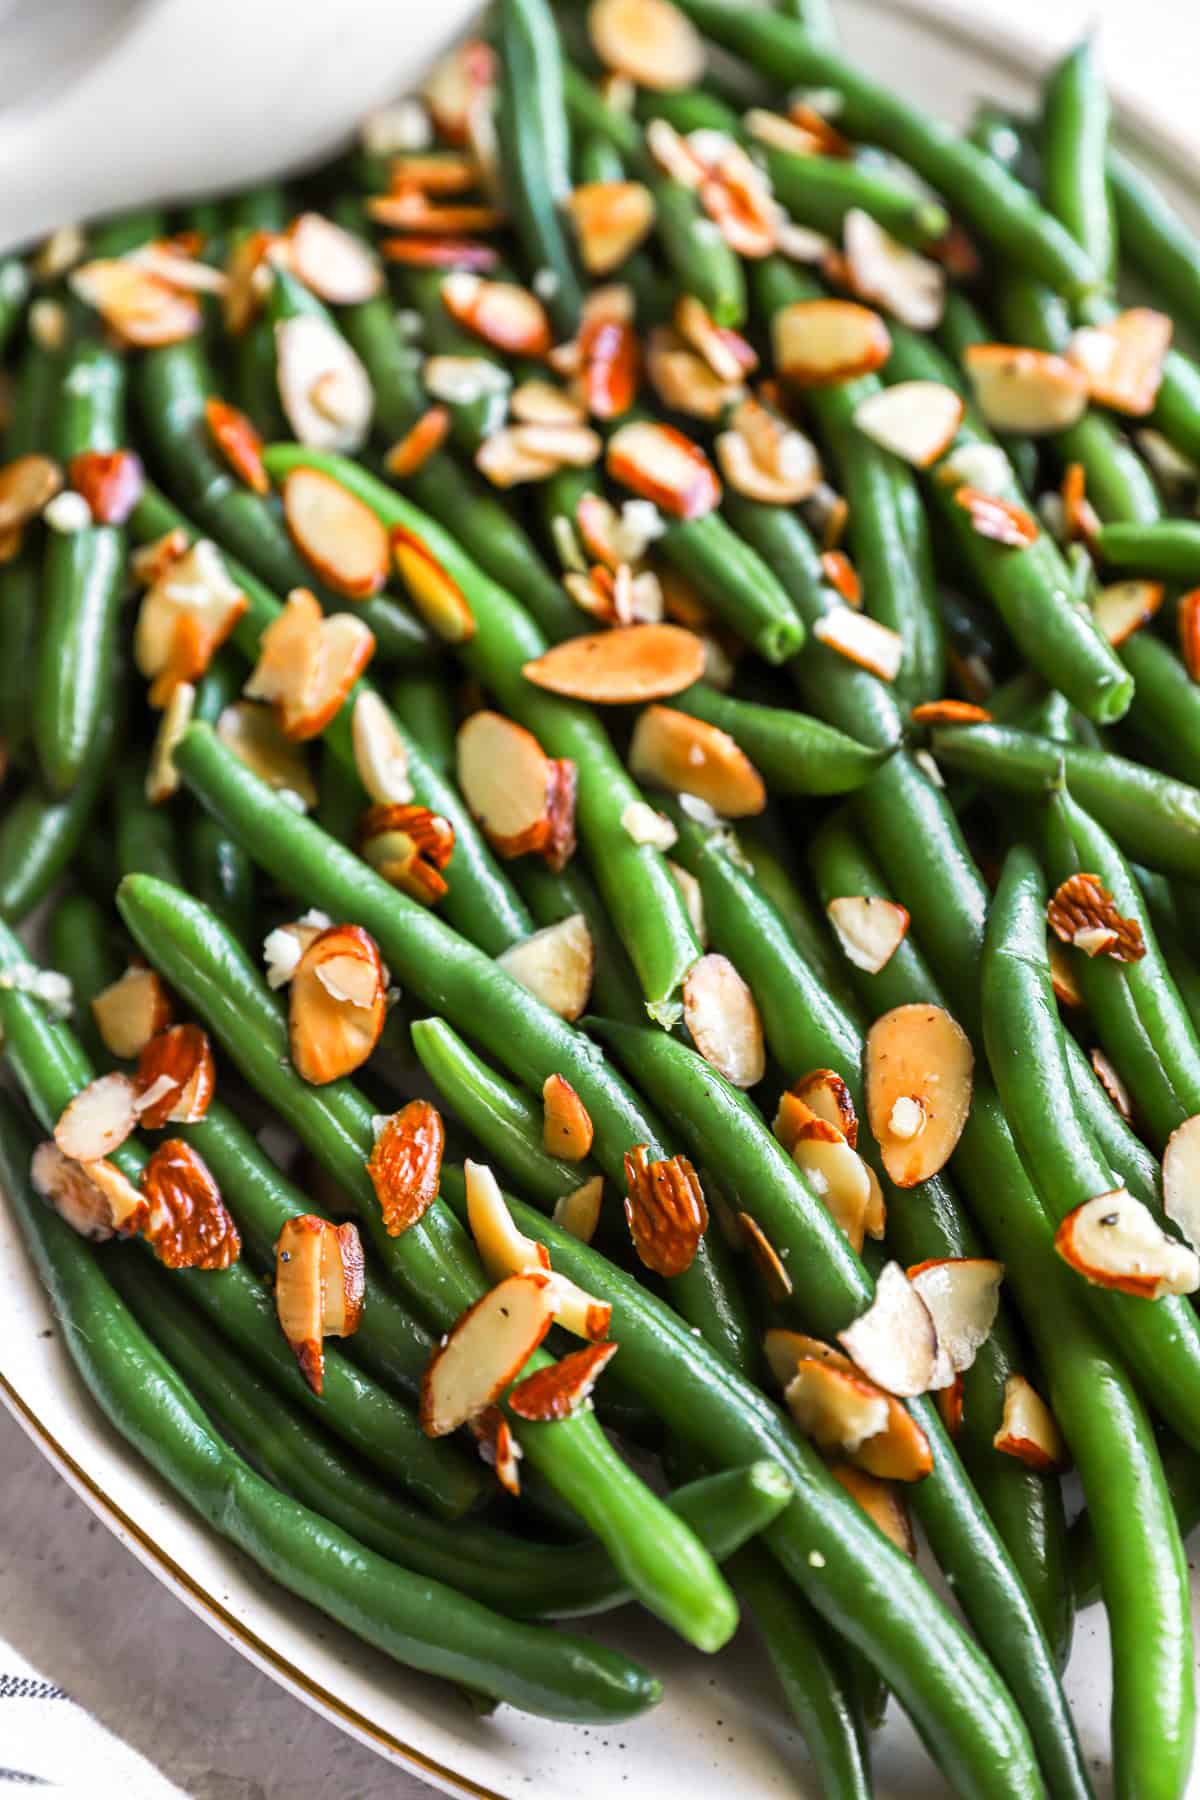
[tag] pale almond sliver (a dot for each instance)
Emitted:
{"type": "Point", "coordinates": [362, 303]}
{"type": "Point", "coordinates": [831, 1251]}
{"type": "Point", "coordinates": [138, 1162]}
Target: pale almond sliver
{"type": "Point", "coordinates": [862, 640]}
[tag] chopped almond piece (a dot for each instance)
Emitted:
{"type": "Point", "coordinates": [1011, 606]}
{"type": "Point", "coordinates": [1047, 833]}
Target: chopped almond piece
{"type": "Point", "coordinates": [408, 846]}
{"type": "Point", "coordinates": [131, 1010]}
{"type": "Point", "coordinates": [27, 484]}
{"type": "Point", "coordinates": [1031, 391]}
{"type": "Point", "coordinates": [620, 668]}
{"type": "Point", "coordinates": [918, 1068]}
{"type": "Point", "coordinates": [435, 594]}
{"type": "Point", "coordinates": [870, 930]}
{"type": "Point", "coordinates": [1112, 1084]}
{"type": "Point", "coordinates": [558, 1391]}
{"type": "Point", "coordinates": [337, 1004]}
{"type": "Point", "coordinates": [720, 1014]}
{"type": "Point", "coordinates": [881, 1503]}
{"type": "Point", "coordinates": [862, 640]}
{"type": "Point", "coordinates": [825, 1093]}
{"type": "Point", "coordinates": [94, 1199]}
{"type": "Point", "coordinates": [162, 777]}
{"type": "Point", "coordinates": [187, 1223]}
{"type": "Point", "coordinates": [818, 343]}
{"type": "Point", "coordinates": [484, 1352]}
{"type": "Point", "coordinates": [150, 561]}
{"type": "Point", "coordinates": [319, 1281]}
{"type": "Point", "coordinates": [915, 420]}
{"type": "Point", "coordinates": [252, 733]}
{"type": "Point", "coordinates": [998, 519]}
{"type": "Point", "coordinates": [671, 749]}
{"type": "Point", "coordinates": [837, 1174]}
{"type": "Point", "coordinates": [193, 588]}
{"type": "Point", "coordinates": [611, 218]}
{"type": "Point", "coordinates": [899, 1452]}
{"type": "Point", "coordinates": [556, 965]}
{"type": "Point", "coordinates": [239, 443]}
{"type": "Point", "coordinates": [650, 41]}
{"type": "Point", "coordinates": [579, 1211]}
{"type": "Point", "coordinates": [1122, 360]}
{"type": "Point", "coordinates": [308, 663]}
{"type": "Point", "coordinates": [440, 253]}
{"type": "Point", "coordinates": [324, 390]}
{"type": "Point", "coordinates": [405, 1165]}
{"type": "Point", "coordinates": [1125, 606]}
{"type": "Point", "coordinates": [414, 449]}
{"type": "Point", "coordinates": [498, 1448]}
{"type": "Point", "coordinates": [335, 533]}
{"type": "Point", "coordinates": [111, 481]}
{"type": "Point", "coordinates": [98, 1120]}
{"type": "Point", "coordinates": [1114, 1241]}
{"type": "Point", "coordinates": [684, 382]}
{"type": "Point", "coordinates": [567, 1129]}
{"type": "Point", "coordinates": [962, 1294]}
{"type": "Point", "coordinates": [508, 317]}
{"type": "Point", "coordinates": [1028, 1430]}
{"type": "Point", "coordinates": [454, 83]}
{"type": "Point", "coordinates": [664, 466]}
{"type": "Point", "coordinates": [1187, 621]}
{"type": "Point", "coordinates": [665, 1211]}
{"type": "Point", "coordinates": [949, 712]}
{"type": "Point", "coordinates": [503, 1250]}
{"type": "Point", "coordinates": [141, 309]}
{"type": "Point", "coordinates": [1180, 1182]}
{"type": "Point", "coordinates": [894, 1341]}
{"type": "Point", "coordinates": [332, 262]}
{"type": "Point", "coordinates": [380, 751]}
{"type": "Point", "coordinates": [1082, 912]}
{"type": "Point", "coordinates": [176, 1077]}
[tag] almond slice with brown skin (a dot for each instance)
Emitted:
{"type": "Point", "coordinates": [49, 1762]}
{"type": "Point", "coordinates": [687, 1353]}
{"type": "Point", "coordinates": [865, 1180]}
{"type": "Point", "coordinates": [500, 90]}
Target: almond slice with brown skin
{"type": "Point", "coordinates": [336, 1005]}
{"type": "Point", "coordinates": [504, 1250]}
{"type": "Point", "coordinates": [869, 929]}
{"type": "Point", "coordinates": [484, 1352]}
{"type": "Point", "coordinates": [949, 1402]}
{"type": "Point", "coordinates": [1112, 1084]}
{"type": "Point", "coordinates": [1062, 974]}
{"type": "Point", "coordinates": [915, 420]}
{"type": "Point", "coordinates": [111, 481]}
{"type": "Point", "coordinates": [825, 1093]}
{"type": "Point", "coordinates": [27, 484]}
{"type": "Point", "coordinates": [620, 668]}
{"type": "Point", "coordinates": [405, 1165]}
{"type": "Point", "coordinates": [842, 577]}
{"type": "Point", "coordinates": [671, 749]}
{"type": "Point", "coordinates": [508, 317]}
{"type": "Point", "coordinates": [1187, 621]}
{"type": "Point", "coordinates": [720, 1014]}
{"type": "Point", "coordinates": [176, 1077]}
{"type": "Point", "coordinates": [380, 751]}
{"type": "Point", "coordinates": [693, 900]}
{"type": "Point", "coordinates": [556, 964]}
{"type": "Point", "coordinates": [1114, 1241]}
{"type": "Point", "coordinates": [307, 664]}
{"type": "Point", "coordinates": [324, 389]}
{"type": "Point", "coordinates": [766, 1258]}
{"type": "Point", "coordinates": [319, 1284]}
{"type": "Point", "coordinates": [949, 712]}
{"type": "Point", "coordinates": [238, 442]}
{"type": "Point", "coordinates": [894, 1342]}
{"type": "Point", "coordinates": [563, 446]}
{"type": "Point", "coordinates": [910, 287]}
{"type": "Point", "coordinates": [794, 479]}
{"type": "Point", "coordinates": [996, 518]}
{"type": "Point", "coordinates": [414, 449]}
{"type": "Point", "coordinates": [837, 1408]}
{"type": "Point", "coordinates": [409, 846]}
{"type": "Point", "coordinates": [98, 1119]}
{"type": "Point", "coordinates": [498, 1448]}
{"type": "Point", "coordinates": [737, 196]}
{"type": "Point", "coordinates": [611, 219]}
{"type": "Point", "coordinates": [1028, 1430]}
{"type": "Point", "coordinates": [673, 154]}
{"type": "Point", "coordinates": [682, 379]}
{"type": "Point", "coordinates": [862, 640]}
{"type": "Point", "coordinates": [963, 1296]}
{"type": "Point", "coordinates": [836, 1174]}
{"type": "Point", "coordinates": [131, 1010]}
{"type": "Point", "coordinates": [1125, 606]}
{"type": "Point", "coordinates": [819, 343]}
{"type": "Point", "coordinates": [433, 173]}
{"type": "Point", "coordinates": [95, 1200]}
{"type": "Point", "coordinates": [881, 1503]}
{"type": "Point", "coordinates": [1181, 1179]}
{"type": "Point", "coordinates": [408, 209]}
{"type": "Point", "coordinates": [187, 1223]}
{"type": "Point", "coordinates": [729, 356]}
{"type": "Point", "coordinates": [1082, 912]}
{"type": "Point", "coordinates": [560, 1390]}
{"type": "Point", "coordinates": [140, 308]}
{"type": "Point", "coordinates": [252, 733]}
{"type": "Point", "coordinates": [663, 465]}
{"type": "Point", "coordinates": [665, 1211]}
{"type": "Point", "coordinates": [900, 1452]}
{"type": "Point", "coordinates": [579, 1211]}
{"type": "Point", "coordinates": [507, 463]}
{"type": "Point", "coordinates": [338, 537]}
{"type": "Point", "coordinates": [1031, 391]}
{"type": "Point", "coordinates": [1122, 360]}
{"type": "Point", "coordinates": [435, 594]}
{"type": "Point", "coordinates": [333, 263]}
{"type": "Point", "coordinates": [567, 1129]}
{"type": "Point", "coordinates": [919, 1068]}
{"type": "Point", "coordinates": [650, 41]}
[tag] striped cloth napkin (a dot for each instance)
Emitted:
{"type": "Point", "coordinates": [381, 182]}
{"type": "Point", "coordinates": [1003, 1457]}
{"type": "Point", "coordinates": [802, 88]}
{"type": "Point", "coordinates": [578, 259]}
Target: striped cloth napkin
{"type": "Point", "coordinates": [49, 1743]}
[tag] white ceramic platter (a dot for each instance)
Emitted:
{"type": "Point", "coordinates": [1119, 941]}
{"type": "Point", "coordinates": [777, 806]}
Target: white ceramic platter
{"type": "Point", "coordinates": [720, 1727]}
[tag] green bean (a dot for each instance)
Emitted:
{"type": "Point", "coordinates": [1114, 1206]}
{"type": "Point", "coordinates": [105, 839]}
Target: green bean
{"type": "Point", "coordinates": [1155, 237]}
{"type": "Point", "coordinates": [531, 123]}
{"type": "Point", "coordinates": [1181, 1467]}
{"type": "Point", "coordinates": [423, 703]}
{"type": "Point", "coordinates": [1167, 547]}
{"type": "Point", "coordinates": [818, 191]}
{"type": "Point", "coordinates": [263, 208]}
{"type": "Point", "coordinates": [40, 833]}
{"type": "Point", "coordinates": [742, 589]}
{"type": "Point", "coordinates": [794, 753]}
{"type": "Point", "coordinates": [1074, 135]}
{"type": "Point", "coordinates": [80, 944]}
{"type": "Point", "coordinates": [145, 835]}
{"type": "Point", "coordinates": [34, 392]}
{"type": "Point", "coordinates": [221, 875]}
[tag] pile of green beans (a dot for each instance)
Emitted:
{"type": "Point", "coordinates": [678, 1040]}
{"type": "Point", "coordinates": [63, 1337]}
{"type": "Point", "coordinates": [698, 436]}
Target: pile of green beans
{"type": "Point", "coordinates": [989, 745]}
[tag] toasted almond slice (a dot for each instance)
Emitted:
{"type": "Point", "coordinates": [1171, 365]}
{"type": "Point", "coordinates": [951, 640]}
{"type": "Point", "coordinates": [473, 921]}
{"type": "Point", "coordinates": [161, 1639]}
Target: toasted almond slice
{"type": "Point", "coordinates": [414, 449]}
{"type": "Point", "coordinates": [523, 799]}
{"type": "Point", "coordinates": [98, 1119]}
{"type": "Point", "coordinates": [556, 965]}
{"type": "Point", "coordinates": [870, 930]}
{"type": "Point", "coordinates": [901, 1452]}
{"type": "Point", "coordinates": [949, 712]}
{"type": "Point", "coordinates": [504, 1250]}
{"type": "Point", "coordinates": [408, 846]}
{"type": "Point", "coordinates": [506, 463]}
{"type": "Point", "coordinates": [737, 196]}
{"type": "Point", "coordinates": [915, 420]}
{"type": "Point", "coordinates": [918, 1068]}
{"type": "Point", "coordinates": [283, 947]}
{"type": "Point", "coordinates": [334, 263]}
{"type": "Point", "coordinates": [187, 1223]}
{"type": "Point", "coordinates": [795, 480]}
{"type": "Point", "coordinates": [308, 663]}
{"type": "Point", "coordinates": [380, 751]}
{"type": "Point", "coordinates": [996, 518]}
{"type": "Point", "coordinates": [558, 1391]}
{"type": "Point", "coordinates": [1062, 974]}
{"type": "Point", "coordinates": [343, 1280]}
{"type": "Point", "coordinates": [1028, 1430]}
{"type": "Point", "coordinates": [508, 317]}
{"type": "Point", "coordinates": [609, 364]}
{"type": "Point", "coordinates": [1031, 391]}
{"type": "Point", "coordinates": [1082, 912]}
{"type": "Point", "coordinates": [177, 262]}
{"type": "Point", "coordinates": [1114, 1241]}
{"type": "Point", "coordinates": [818, 343]}
{"type": "Point", "coordinates": [567, 1129]}
{"type": "Point", "coordinates": [862, 640]}
{"type": "Point", "coordinates": [881, 1503]}
{"type": "Point", "coordinates": [499, 1448]}
{"type": "Point", "coordinates": [542, 403]}
{"type": "Point", "coordinates": [131, 1010]}
{"type": "Point", "coordinates": [93, 1210]}
{"type": "Point", "coordinates": [484, 1352]}
{"type": "Point", "coordinates": [1080, 519]}
{"type": "Point", "coordinates": [195, 587]}
{"type": "Point", "coordinates": [440, 253]}
{"type": "Point", "coordinates": [1181, 1179]}
{"type": "Point", "coordinates": [842, 576]}
{"type": "Point", "coordinates": [674, 155]}
{"type": "Point", "coordinates": [579, 1211]}
{"type": "Point", "coordinates": [176, 1077]}
{"type": "Point", "coordinates": [645, 826]}
{"type": "Point", "coordinates": [139, 307]}
{"type": "Point", "coordinates": [564, 446]}
{"type": "Point", "coordinates": [1122, 360]}
{"type": "Point", "coordinates": [408, 209]}
{"type": "Point", "coordinates": [27, 484]}
{"type": "Point", "coordinates": [693, 900]}
{"type": "Point", "coordinates": [162, 777]}
{"type": "Point", "coordinates": [611, 218]}
{"type": "Point", "coordinates": [298, 1293]}
{"type": "Point", "coordinates": [619, 668]}
{"type": "Point", "coordinates": [894, 1341]}
{"type": "Point", "coordinates": [650, 41]}
{"type": "Point", "coordinates": [833, 1169]}
{"type": "Point", "coordinates": [825, 1093]}
{"type": "Point", "coordinates": [1124, 606]}
{"type": "Point", "coordinates": [963, 1296]}
{"type": "Point", "coordinates": [949, 1402]}
{"type": "Point", "coordinates": [836, 1407]}
{"type": "Point", "coordinates": [337, 1004]}
{"type": "Point", "coordinates": [726, 352]}
{"type": "Point", "coordinates": [335, 533]}
{"type": "Point", "coordinates": [671, 749]}
{"type": "Point", "coordinates": [239, 443]}
{"type": "Point", "coordinates": [323, 388]}
{"type": "Point", "coordinates": [983, 468]}
{"type": "Point", "coordinates": [663, 465]}
{"type": "Point", "coordinates": [437, 172]}
{"type": "Point", "coordinates": [767, 1259]}
{"type": "Point", "coordinates": [247, 279]}
{"type": "Point", "coordinates": [1187, 621]}
{"type": "Point", "coordinates": [910, 287]}
{"type": "Point", "coordinates": [435, 594]}
{"type": "Point", "coordinates": [453, 84]}
{"type": "Point", "coordinates": [405, 1165]}
{"type": "Point", "coordinates": [665, 1211]}
{"type": "Point", "coordinates": [720, 1013]}
{"type": "Point", "coordinates": [111, 482]}
{"type": "Point", "coordinates": [254, 736]}
{"type": "Point", "coordinates": [682, 379]}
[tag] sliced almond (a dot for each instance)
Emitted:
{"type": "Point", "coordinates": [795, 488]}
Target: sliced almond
{"type": "Point", "coordinates": [567, 1129]}
{"type": "Point", "coordinates": [409, 846]}
{"type": "Point", "coordinates": [453, 85]}
{"type": "Point", "coordinates": [894, 1342]}
{"type": "Point", "coordinates": [239, 443]}
{"type": "Point", "coordinates": [779, 473]}
{"type": "Point", "coordinates": [176, 1077]}
{"type": "Point", "coordinates": [149, 561]}
{"type": "Point", "coordinates": [523, 799]}
{"type": "Point", "coordinates": [1028, 1430]}
{"type": "Point", "coordinates": [334, 263]}
{"type": "Point", "coordinates": [1187, 622]}
{"type": "Point", "coordinates": [95, 1200]}
{"type": "Point", "coordinates": [616, 668]}
{"type": "Point", "coordinates": [682, 379]}
{"type": "Point", "coordinates": [414, 449]}
{"type": "Point", "coordinates": [508, 317]}
{"type": "Point", "coordinates": [910, 287]}
{"type": "Point", "coordinates": [693, 900]}
{"type": "Point", "coordinates": [1114, 1241]}
{"type": "Point", "coordinates": [611, 218]}
{"type": "Point", "coordinates": [900, 1451]}
{"type": "Point", "coordinates": [1062, 974]}
{"type": "Point", "coordinates": [736, 195]}
{"type": "Point", "coordinates": [609, 358]}
{"type": "Point", "coordinates": [918, 1067]}
{"type": "Point", "coordinates": [507, 463]}
{"type": "Point", "coordinates": [542, 403]}
{"type": "Point", "coordinates": [438, 172]}
{"type": "Point", "coordinates": [862, 640]}
{"type": "Point", "coordinates": [570, 446]}
{"type": "Point", "coordinates": [1082, 912]}
{"type": "Point", "coordinates": [408, 209]}
{"type": "Point", "coordinates": [963, 1296]}
{"type": "Point", "coordinates": [665, 1211]}
{"type": "Point", "coordinates": [729, 356]}
{"type": "Point", "coordinates": [671, 749]}
{"type": "Point", "coordinates": [1181, 1179]}
{"type": "Point", "coordinates": [870, 930]}
{"type": "Point", "coordinates": [247, 279]}
{"type": "Point", "coordinates": [194, 587]}
{"type": "Point", "coordinates": [663, 465]}
{"type": "Point", "coordinates": [337, 1004]}
{"type": "Point", "coordinates": [645, 826]}
{"type": "Point", "coordinates": [405, 1165]}
{"type": "Point", "coordinates": [949, 712]}
{"type": "Point", "coordinates": [110, 481]}
{"type": "Point", "coordinates": [1122, 360]}
{"type": "Point", "coordinates": [674, 155]}
{"type": "Point", "coordinates": [162, 777]}
{"type": "Point", "coordinates": [825, 1093]}
{"type": "Point", "coordinates": [818, 343]}
{"type": "Point", "coordinates": [319, 1280]}
{"type": "Point", "coordinates": [140, 308]}
{"type": "Point", "coordinates": [837, 1175]}
{"type": "Point", "coordinates": [380, 751]}
{"type": "Point", "coordinates": [504, 1250]}
{"type": "Point", "coordinates": [998, 519]}
{"type": "Point", "coordinates": [283, 947]}
{"type": "Point", "coordinates": [1031, 391]}
{"type": "Point", "coordinates": [556, 965]}
{"type": "Point", "coordinates": [915, 420]}
{"type": "Point", "coordinates": [252, 733]}
{"type": "Point", "coordinates": [131, 1010]}
{"type": "Point", "coordinates": [650, 41]}
{"type": "Point", "coordinates": [720, 1014]}
{"type": "Point", "coordinates": [323, 388]}
{"type": "Point", "coordinates": [558, 1391]}
{"type": "Point", "coordinates": [881, 1503]}
{"type": "Point", "coordinates": [98, 1119]}
{"type": "Point", "coordinates": [751, 1236]}
{"type": "Point", "coordinates": [499, 1448]}
{"type": "Point", "coordinates": [484, 1352]}
{"type": "Point", "coordinates": [187, 1223]}
{"type": "Point", "coordinates": [837, 1408]}
{"type": "Point", "coordinates": [1125, 606]}
{"type": "Point", "coordinates": [579, 1211]}
{"type": "Point", "coordinates": [842, 576]}
{"type": "Point", "coordinates": [336, 534]}
{"type": "Point", "coordinates": [308, 663]}
{"type": "Point", "coordinates": [27, 484]}
{"type": "Point", "coordinates": [432, 590]}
